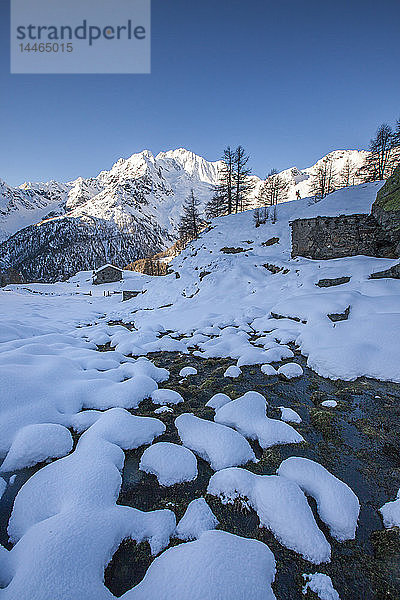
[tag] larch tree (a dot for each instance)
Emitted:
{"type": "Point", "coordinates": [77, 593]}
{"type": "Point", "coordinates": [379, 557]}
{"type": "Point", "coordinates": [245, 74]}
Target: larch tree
{"type": "Point", "coordinates": [273, 191]}
{"type": "Point", "coordinates": [191, 222]}
{"type": "Point", "coordinates": [324, 180]}
{"type": "Point", "coordinates": [217, 205]}
{"type": "Point", "coordinates": [378, 164]}
{"type": "Point", "coordinates": [347, 175]}
{"type": "Point", "coordinates": [241, 178]}
{"type": "Point", "coordinates": [225, 186]}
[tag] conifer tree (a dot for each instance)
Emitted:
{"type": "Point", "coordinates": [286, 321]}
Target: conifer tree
{"type": "Point", "coordinates": [242, 184]}
{"type": "Point", "coordinates": [190, 223]}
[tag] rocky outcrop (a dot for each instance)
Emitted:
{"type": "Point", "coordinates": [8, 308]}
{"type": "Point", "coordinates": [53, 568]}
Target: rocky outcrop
{"type": "Point", "coordinates": [386, 208]}
{"type": "Point", "coordinates": [393, 272]}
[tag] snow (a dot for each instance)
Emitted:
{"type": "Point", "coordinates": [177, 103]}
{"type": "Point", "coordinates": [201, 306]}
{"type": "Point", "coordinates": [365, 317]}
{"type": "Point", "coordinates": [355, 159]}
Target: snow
{"type": "Point", "coordinates": [163, 409]}
{"type": "Point", "coordinates": [218, 400]}
{"type": "Point", "coordinates": [247, 415]}
{"type": "Point", "coordinates": [281, 507]}
{"type": "Point", "coordinates": [329, 403]}
{"type": "Point", "coordinates": [232, 371]}
{"type": "Point", "coordinates": [337, 504]}
{"type": "Point", "coordinates": [65, 516]}
{"type": "Point", "coordinates": [186, 371]}
{"type": "Point", "coordinates": [197, 519]}
{"type": "Point", "coordinates": [219, 565]}
{"type": "Point", "coordinates": [320, 584]}
{"type": "Point", "coordinates": [289, 415]}
{"type": "Point", "coordinates": [391, 512]}
{"type": "Point", "coordinates": [37, 443]}
{"type": "Point", "coordinates": [290, 370]}
{"type": "Point", "coordinates": [170, 463]}
{"type": "Point", "coordinates": [73, 500]}
{"type": "Point", "coordinates": [3, 485]}
{"type": "Point", "coordinates": [218, 445]}
{"type": "Point", "coordinates": [166, 397]}
{"type": "Point", "coordinates": [268, 370]}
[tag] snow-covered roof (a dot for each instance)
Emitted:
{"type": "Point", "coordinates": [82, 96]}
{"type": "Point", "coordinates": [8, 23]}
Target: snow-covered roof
{"type": "Point", "coordinates": [108, 265]}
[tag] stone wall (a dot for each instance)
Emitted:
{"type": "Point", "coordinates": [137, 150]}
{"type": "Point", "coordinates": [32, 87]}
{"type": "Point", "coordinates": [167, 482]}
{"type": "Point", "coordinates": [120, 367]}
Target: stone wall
{"type": "Point", "coordinates": [335, 237]}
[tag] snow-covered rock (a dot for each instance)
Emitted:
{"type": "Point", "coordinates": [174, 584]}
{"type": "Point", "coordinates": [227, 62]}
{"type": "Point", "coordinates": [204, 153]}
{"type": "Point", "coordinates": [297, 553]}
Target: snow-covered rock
{"type": "Point", "coordinates": [164, 396]}
{"type": "Point", "coordinates": [219, 445]}
{"type": "Point", "coordinates": [170, 463]}
{"type": "Point", "coordinates": [37, 443]}
{"type": "Point", "coordinates": [337, 504]}
{"type": "Point", "coordinates": [289, 415]}
{"type": "Point", "coordinates": [329, 403]}
{"type": "Point", "coordinates": [197, 519]}
{"type": "Point", "coordinates": [233, 371]}
{"type": "Point", "coordinates": [320, 584]}
{"type": "Point", "coordinates": [186, 371]}
{"type": "Point", "coordinates": [281, 507]}
{"type": "Point", "coordinates": [217, 566]}
{"type": "Point", "coordinates": [268, 370]}
{"type": "Point", "coordinates": [218, 400]}
{"type": "Point", "coordinates": [391, 512]}
{"type": "Point", "coordinates": [290, 370]}
{"type": "Point", "coordinates": [247, 415]}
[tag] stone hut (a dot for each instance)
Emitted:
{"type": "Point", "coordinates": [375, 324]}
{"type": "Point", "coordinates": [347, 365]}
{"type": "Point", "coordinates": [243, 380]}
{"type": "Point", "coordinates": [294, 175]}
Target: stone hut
{"type": "Point", "coordinates": [107, 274]}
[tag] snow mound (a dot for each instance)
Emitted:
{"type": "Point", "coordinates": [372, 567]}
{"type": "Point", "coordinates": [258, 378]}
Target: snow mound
{"type": "Point", "coordinates": [289, 415]}
{"type": "Point", "coordinates": [247, 415]}
{"type": "Point", "coordinates": [163, 409]}
{"type": "Point", "coordinates": [320, 584]}
{"type": "Point", "coordinates": [218, 445]}
{"type": "Point", "coordinates": [337, 504]}
{"type": "Point", "coordinates": [269, 370]}
{"type": "Point", "coordinates": [170, 463]}
{"type": "Point", "coordinates": [218, 566]}
{"type": "Point", "coordinates": [253, 356]}
{"type": "Point", "coordinates": [329, 403]}
{"type": "Point", "coordinates": [166, 396]}
{"type": "Point", "coordinates": [232, 371]}
{"type": "Point", "coordinates": [277, 354]}
{"type": "Point", "coordinates": [281, 507]}
{"type": "Point", "coordinates": [197, 519]}
{"type": "Point", "coordinates": [218, 400]}
{"type": "Point", "coordinates": [290, 370]}
{"type": "Point", "coordinates": [87, 476]}
{"type": "Point", "coordinates": [187, 371]}
{"type": "Point", "coordinates": [67, 512]}
{"type": "Point", "coordinates": [391, 512]}
{"type": "Point", "coordinates": [37, 443]}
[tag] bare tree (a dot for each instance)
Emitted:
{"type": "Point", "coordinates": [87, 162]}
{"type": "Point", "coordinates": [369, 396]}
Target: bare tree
{"type": "Point", "coordinates": [378, 164]}
{"type": "Point", "coordinates": [273, 191]}
{"type": "Point", "coordinates": [348, 173]}
{"type": "Point", "coordinates": [324, 180]}
{"type": "Point", "coordinates": [190, 223]}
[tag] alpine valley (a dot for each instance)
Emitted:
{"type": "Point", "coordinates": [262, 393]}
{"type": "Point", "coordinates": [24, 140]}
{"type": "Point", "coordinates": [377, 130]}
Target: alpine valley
{"type": "Point", "coordinates": [49, 231]}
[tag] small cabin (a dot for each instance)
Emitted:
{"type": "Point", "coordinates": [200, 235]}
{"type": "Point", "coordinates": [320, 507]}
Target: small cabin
{"type": "Point", "coordinates": [107, 274]}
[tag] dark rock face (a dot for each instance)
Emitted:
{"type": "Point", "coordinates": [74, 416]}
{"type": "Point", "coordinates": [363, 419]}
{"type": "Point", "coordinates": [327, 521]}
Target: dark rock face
{"type": "Point", "coordinates": [336, 237]}
{"type": "Point", "coordinates": [393, 272]}
{"type": "Point", "coordinates": [386, 208]}
{"type": "Point", "coordinates": [332, 282]}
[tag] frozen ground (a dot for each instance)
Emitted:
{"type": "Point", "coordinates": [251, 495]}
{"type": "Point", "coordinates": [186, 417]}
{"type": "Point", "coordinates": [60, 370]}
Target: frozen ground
{"type": "Point", "coordinates": [74, 361]}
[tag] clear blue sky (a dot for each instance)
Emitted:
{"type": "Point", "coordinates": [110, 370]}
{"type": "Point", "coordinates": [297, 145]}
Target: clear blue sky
{"type": "Point", "coordinates": [290, 80]}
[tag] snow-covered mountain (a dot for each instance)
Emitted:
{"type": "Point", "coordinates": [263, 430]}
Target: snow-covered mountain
{"type": "Point", "coordinates": [135, 206]}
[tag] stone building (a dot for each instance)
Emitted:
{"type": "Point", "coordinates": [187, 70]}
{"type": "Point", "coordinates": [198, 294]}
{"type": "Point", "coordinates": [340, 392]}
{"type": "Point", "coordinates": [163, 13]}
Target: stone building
{"type": "Point", "coordinates": [107, 274]}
